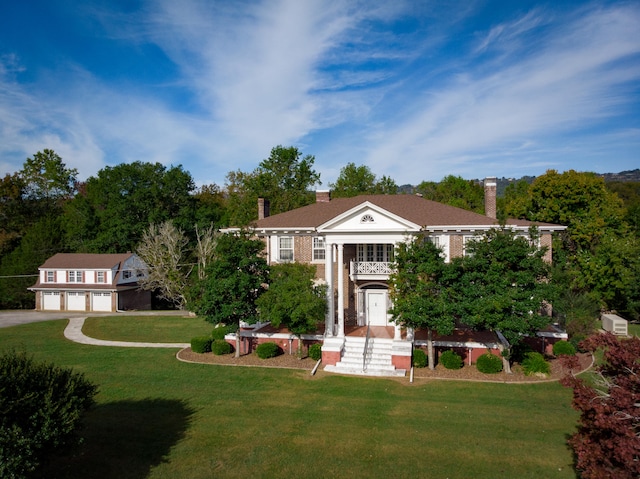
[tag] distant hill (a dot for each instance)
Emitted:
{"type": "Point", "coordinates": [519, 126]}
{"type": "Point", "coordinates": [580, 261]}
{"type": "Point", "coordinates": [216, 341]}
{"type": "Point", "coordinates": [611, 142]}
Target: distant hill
{"type": "Point", "coordinates": [630, 175]}
{"type": "Point", "coordinates": [502, 183]}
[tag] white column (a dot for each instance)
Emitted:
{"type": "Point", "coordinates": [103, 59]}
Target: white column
{"type": "Point", "coordinates": [328, 276]}
{"type": "Point", "coordinates": [340, 290]}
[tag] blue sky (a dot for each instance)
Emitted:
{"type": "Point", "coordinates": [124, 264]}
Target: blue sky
{"type": "Point", "coordinates": [415, 90]}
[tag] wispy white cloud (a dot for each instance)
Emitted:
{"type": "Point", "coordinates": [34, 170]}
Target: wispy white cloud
{"type": "Point", "coordinates": [574, 78]}
{"type": "Point", "coordinates": [341, 80]}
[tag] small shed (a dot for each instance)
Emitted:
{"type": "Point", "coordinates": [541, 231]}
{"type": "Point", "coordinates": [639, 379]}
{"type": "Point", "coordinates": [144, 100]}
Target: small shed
{"type": "Point", "coordinates": [615, 324]}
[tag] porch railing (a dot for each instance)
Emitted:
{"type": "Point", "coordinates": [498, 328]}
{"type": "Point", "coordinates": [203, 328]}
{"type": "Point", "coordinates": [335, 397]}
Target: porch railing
{"type": "Point", "coordinates": [366, 346]}
{"type": "Point", "coordinates": [371, 267]}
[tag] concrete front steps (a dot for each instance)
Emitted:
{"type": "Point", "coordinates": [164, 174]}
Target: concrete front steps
{"type": "Point", "coordinates": [377, 360]}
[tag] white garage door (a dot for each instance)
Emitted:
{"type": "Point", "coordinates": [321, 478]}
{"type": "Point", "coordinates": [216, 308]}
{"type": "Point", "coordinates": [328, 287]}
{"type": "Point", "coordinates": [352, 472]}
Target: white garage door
{"type": "Point", "coordinates": [75, 301]}
{"type": "Point", "coordinates": [101, 301]}
{"type": "Point", "coordinates": [51, 300]}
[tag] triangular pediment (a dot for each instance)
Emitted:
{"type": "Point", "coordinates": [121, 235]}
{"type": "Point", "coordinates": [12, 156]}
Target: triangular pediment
{"type": "Point", "coordinates": [367, 217]}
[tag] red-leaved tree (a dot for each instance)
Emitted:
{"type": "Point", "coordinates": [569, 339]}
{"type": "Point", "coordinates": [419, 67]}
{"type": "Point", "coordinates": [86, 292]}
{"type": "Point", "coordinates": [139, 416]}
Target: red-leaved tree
{"type": "Point", "coordinates": [607, 443]}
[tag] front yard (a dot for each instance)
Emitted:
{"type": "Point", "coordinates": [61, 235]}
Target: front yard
{"type": "Point", "coordinates": [158, 417]}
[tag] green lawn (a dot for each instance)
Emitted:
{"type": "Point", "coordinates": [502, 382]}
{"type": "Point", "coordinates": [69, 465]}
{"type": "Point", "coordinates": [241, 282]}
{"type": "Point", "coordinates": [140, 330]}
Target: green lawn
{"type": "Point", "coordinates": [156, 329]}
{"type": "Point", "coordinates": [159, 418]}
{"type": "Point", "coordinates": [634, 330]}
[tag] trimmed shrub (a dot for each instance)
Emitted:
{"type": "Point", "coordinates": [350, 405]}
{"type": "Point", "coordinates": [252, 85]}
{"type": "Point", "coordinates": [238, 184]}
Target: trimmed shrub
{"type": "Point", "coordinates": [535, 363]}
{"type": "Point", "coordinates": [221, 331]}
{"type": "Point", "coordinates": [41, 407]}
{"type": "Point", "coordinates": [267, 350]}
{"type": "Point", "coordinates": [419, 358]}
{"type": "Point", "coordinates": [564, 347]}
{"type": "Point", "coordinates": [450, 359]}
{"type": "Point", "coordinates": [315, 351]}
{"type": "Point", "coordinates": [220, 347]}
{"type": "Point", "coordinates": [489, 364]}
{"type": "Point", "coordinates": [201, 344]}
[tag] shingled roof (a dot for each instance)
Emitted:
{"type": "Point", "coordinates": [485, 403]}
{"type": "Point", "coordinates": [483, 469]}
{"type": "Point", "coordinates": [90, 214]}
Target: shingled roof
{"type": "Point", "coordinates": [416, 209]}
{"type": "Point", "coordinates": [85, 261]}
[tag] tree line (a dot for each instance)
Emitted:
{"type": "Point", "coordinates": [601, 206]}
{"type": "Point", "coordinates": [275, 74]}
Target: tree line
{"type": "Point", "coordinates": [44, 209]}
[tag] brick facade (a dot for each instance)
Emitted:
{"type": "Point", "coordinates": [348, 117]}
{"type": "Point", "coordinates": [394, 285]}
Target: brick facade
{"type": "Point", "coordinates": [456, 246]}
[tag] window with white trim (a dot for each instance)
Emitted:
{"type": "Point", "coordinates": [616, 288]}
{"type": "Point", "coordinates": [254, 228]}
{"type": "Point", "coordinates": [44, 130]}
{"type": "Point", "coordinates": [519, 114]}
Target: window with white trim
{"type": "Point", "coordinates": [376, 253]}
{"type": "Point", "coordinates": [50, 277]}
{"type": "Point", "coordinates": [101, 277]}
{"type": "Point", "coordinates": [318, 248]}
{"type": "Point", "coordinates": [75, 276]}
{"type": "Point", "coordinates": [285, 248]}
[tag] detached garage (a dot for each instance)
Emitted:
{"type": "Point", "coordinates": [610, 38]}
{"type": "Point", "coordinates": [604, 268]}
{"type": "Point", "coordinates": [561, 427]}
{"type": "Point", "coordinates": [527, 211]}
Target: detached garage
{"type": "Point", "coordinates": [91, 282]}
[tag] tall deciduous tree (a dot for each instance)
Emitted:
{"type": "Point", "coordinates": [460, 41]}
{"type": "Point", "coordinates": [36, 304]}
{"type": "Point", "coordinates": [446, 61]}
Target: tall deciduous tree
{"type": "Point", "coordinates": [285, 179]}
{"type": "Point", "coordinates": [516, 202]}
{"type": "Point", "coordinates": [46, 177]}
{"type": "Point", "coordinates": [503, 284]}
{"type": "Point", "coordinates": [122, 201]}
{"type": "Point", "coordinates": [629, 193]}
{"type": "Point", "coordinates": [600, 249]}
{"type": "Point", "coordinates": [235, 279]}
{"type": "Point", "coordinates": [19, 267]}
{"type": "Point", "coordinates": [13, 211]}
{"type": "Point", "coordinates": [607, 443]}
{"type": "Point", "coordinates": [454, 191]}
{"type": "Point", "coordinates": [420, 289]}
{"type": "Point", "coordinates": [293, 299]}
{"type": "Point", "coordinates": [164, 250]}
{"type": "Point", "coordinates": [579, 201]}
{"type": "Point", "coordinates": [210, 207]}
{"type": "Point", "coordinates": [360, 180]}
{"type": "Point", "coordinates": [205, 248]}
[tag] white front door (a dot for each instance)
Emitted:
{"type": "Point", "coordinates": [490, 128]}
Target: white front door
{"type": "Point", "coordinates": [377, 307]}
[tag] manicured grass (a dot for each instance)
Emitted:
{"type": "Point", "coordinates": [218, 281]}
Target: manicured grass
{"type": "Point", "coordinates": [634, 330]}
{"type": "Point", "coordinates": [157, 329]}
{"type": "Point", "coordinates": [160, 418]}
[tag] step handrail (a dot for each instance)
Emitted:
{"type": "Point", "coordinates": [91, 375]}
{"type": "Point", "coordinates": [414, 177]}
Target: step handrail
{"type": "Point", "coordinates": [366, 345]}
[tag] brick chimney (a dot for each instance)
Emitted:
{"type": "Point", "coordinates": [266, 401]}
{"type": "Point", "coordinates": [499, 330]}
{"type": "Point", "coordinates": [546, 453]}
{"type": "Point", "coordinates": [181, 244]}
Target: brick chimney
{"type": "Point", "coordinates": [490, 187]}
{"type": "Point", "coordinates": [263, 208]}
{"type": "Point", "coordinates": [323, 196]}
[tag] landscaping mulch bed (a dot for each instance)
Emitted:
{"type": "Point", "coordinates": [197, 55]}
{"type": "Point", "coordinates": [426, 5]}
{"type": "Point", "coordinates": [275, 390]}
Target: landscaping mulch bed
{"type": "Point", "coordinates": [470, 373]}
{"type": "Point", "coordinates": [282, 361]}
{"type": "Point", "coordinates": [466, 373]}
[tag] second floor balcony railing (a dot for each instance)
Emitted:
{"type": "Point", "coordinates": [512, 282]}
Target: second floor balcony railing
{"type": "Point", "coordinates": [370, 268]}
